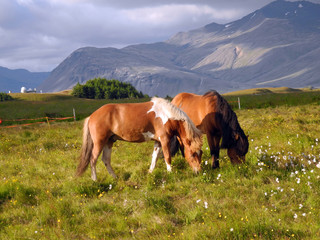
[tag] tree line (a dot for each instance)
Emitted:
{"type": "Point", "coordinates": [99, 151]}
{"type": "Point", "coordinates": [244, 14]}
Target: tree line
{"type": "Point", "coordinates": [101, 88]}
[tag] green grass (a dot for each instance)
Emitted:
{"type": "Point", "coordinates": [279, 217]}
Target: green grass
{"type": "Point", "coordinates": [274, 195]}
{"type": "Point", "coordinates": [30, 106]}
{"type": "Point", "coordinates": [263, 98]}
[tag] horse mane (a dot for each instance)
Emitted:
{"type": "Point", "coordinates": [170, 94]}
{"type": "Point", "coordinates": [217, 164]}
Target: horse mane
{"type": "Point", "coordinates": [172, 112]}
{"type": "Point", "coordinates": [228, 119]}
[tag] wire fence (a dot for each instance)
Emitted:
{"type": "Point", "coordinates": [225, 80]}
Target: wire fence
{"type": "Point", "coordinates": [43, 120]}
{"type": "Point", "coordinates": [40, 120]}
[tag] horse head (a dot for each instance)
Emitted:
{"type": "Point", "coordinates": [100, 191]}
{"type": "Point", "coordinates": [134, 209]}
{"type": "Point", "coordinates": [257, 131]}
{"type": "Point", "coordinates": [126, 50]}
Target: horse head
{"type": "Point", "coordinates": [193, 157]}
{"type": "Point", "coordinates": [190, 143]}
{"type": "Point", "coordinates": [239, 148]}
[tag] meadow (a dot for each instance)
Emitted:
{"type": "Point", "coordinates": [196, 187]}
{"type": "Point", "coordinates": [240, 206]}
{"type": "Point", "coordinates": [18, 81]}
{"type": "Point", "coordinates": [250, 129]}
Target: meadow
{"type": "Point", "coordinates": [275, 194]}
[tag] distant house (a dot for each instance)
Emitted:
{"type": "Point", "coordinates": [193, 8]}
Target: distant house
{"type": "Point", "coordinates": [30, 90]}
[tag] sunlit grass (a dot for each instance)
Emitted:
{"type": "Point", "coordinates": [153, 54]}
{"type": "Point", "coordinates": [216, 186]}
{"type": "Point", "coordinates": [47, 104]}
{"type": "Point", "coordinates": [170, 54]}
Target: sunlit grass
{"type": "Point", "coordinates": [274, 195]}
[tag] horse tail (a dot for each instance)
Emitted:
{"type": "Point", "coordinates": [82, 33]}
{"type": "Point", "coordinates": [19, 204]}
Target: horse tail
{"type": "Point", "coordinates": [86, 149]}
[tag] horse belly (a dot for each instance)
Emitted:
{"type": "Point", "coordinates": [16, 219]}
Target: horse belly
{"type": "Point", "coordinates": [136, 136]}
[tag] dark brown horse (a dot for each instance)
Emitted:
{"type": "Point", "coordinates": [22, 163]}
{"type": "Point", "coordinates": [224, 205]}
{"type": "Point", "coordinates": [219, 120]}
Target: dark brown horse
{"type": "Point", "coordinates": [214, 117]}
{"type": "Point", "coordinates": [158, 120]}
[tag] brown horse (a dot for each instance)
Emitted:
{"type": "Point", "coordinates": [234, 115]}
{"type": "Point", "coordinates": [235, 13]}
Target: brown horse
{"type": "Point", "coordinates": [214, 117]}
{"type": "Point", "coordinates": [158, 120]}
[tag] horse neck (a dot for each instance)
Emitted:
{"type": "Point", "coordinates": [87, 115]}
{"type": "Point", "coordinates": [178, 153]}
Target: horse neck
{"type": "Point", "coordinates": [230, 126]}
{"type": "Point", "coordinates": [189, 136]}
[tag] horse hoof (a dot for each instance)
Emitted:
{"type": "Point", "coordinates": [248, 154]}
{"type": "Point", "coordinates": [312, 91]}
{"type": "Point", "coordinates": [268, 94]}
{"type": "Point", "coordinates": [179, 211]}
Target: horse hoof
{"type": "Point", "coordinates": [215, 166]}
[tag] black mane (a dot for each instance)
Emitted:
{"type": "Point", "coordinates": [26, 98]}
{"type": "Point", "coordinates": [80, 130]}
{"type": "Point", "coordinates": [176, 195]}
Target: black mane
{"type": "Point", "coordinates": [229, 123]}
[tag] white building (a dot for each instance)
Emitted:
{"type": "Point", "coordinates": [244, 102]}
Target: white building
{"type": "Point", "coordinates": [23, 90]}
{"type": "Point", "coordinates": [30, 90]}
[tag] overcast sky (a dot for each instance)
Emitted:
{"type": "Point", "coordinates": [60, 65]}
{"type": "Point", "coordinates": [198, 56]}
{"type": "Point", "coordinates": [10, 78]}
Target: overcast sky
{"type": "Point", "coordinates": [39, 34]}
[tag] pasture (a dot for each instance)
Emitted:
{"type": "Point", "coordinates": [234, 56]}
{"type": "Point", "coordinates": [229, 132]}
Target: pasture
{"type": "Point", "coordinates": [274, 195]}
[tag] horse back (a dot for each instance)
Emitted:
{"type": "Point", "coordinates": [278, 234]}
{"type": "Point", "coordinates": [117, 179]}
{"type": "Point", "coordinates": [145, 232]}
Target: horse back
{"type": "Point", "coordinates": [199, 108]}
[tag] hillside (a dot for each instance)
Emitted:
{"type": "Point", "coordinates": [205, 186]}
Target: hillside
{"type": "Point", "coordinates": [277, 45]}
{"type": "Point", "coordinates": [13, 80]}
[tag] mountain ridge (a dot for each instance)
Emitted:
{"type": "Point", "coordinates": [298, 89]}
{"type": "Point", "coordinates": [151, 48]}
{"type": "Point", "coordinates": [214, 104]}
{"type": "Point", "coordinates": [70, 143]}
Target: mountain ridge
{"type": "Point", "coordinates": [277, 45]}
{"type": "Point", "coordinates": [13, 79]}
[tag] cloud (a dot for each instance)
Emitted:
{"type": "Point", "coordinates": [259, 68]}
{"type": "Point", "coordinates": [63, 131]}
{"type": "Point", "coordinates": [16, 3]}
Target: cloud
{"type": "Point", "coordinates": [39, 34]}
{"type": "Point", "coordinates": [173, 14]}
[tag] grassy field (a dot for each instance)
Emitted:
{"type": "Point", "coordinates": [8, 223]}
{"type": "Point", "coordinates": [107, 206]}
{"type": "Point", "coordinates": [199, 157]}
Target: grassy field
{"type": "Point", "coordinates": [274, 195]}
{"type": "Point", "coordinates": [30, 106]}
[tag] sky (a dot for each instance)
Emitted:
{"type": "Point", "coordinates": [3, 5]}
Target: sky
{"type": "Point", "coordinates": [38, 35]}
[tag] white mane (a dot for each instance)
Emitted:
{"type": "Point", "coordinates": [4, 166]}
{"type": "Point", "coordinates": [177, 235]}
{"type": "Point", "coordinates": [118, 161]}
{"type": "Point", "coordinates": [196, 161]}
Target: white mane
{"type": "Point", "coordinates": [166, 110]}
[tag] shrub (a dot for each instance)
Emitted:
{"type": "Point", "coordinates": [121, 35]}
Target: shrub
{"type": "Point", "coordinates": [5, 97]}
{"type": "Point", "coordinates": [100, 88]}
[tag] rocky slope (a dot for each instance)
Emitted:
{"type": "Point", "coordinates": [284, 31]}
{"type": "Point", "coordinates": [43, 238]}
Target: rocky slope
{"type": "Point", "coordinates": [277, 45]}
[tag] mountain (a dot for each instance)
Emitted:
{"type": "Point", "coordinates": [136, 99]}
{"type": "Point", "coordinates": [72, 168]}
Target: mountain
{"type": "Point", "coordinates": [277, 45]}
{"type": "Point", "coordinates": [13, 80]}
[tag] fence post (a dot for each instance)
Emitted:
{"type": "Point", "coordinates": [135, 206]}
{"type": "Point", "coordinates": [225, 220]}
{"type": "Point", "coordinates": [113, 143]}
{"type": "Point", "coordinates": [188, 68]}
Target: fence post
{"type": "Point", "coordinates": [48, 121]}
{"type": "Point", "coordinates": [74, 114]}
{"type": "Point", "coordinates": [239, 103]}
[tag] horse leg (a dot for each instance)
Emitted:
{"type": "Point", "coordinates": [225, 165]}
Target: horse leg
{"type": "Point", "coordinates": [165, 143]}
{"type": "Point", "coordinates": [155, 155]}
{"type": "Point", "coordinates": [93, 161]}
{"type": "Point", "coordinates": [214, 142]}
{"type": "Point", "coordinates": [106, 158]}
